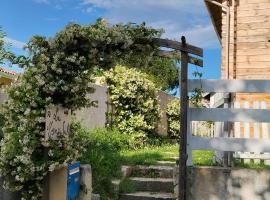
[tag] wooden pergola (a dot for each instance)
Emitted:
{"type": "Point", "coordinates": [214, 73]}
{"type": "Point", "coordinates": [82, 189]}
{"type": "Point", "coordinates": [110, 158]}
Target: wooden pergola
{"type": "Point", "coordinates": [185, 53]}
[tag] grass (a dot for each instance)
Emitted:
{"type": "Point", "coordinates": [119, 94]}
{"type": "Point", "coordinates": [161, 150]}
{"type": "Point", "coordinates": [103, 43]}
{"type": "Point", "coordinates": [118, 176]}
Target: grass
{"type": "Point", "coordinates": [202, 158]}
{"type": "Point", "coordinates": [151, 156]}
{"type": "Point", "coordinates": [251, 165]}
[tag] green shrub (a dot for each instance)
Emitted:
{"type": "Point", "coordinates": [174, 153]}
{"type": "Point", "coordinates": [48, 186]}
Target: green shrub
{"type": "Point", "coordinates": [103, 154]}
{"type": "Point", "coordinates": [173, 115]}
{"type": "Point", "coordinates": [135, 105]}
{"type": "Point", "coordinates": [58, 72]}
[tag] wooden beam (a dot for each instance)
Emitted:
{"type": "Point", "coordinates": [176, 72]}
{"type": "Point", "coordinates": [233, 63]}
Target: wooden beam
{"type": "Point", "coordinates": [230, 86]}
{"type": "Point", "coordinates": [177, 55]}
{"type": "Point", "coordinates": [178, 46]}
{"type": "Point", "coordinates": [184, 102]}
{"type": "Point", "coordinates": [229, 114]}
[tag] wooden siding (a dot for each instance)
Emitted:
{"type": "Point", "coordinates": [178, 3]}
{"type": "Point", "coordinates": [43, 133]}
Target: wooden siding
{"type": "Point", "coordinates": [249, 40]}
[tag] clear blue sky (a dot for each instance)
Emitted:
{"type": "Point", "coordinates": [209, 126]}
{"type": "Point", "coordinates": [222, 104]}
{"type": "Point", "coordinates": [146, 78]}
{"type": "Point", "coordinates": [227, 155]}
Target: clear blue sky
{"type": "Point", "coordinates": [21, 19]}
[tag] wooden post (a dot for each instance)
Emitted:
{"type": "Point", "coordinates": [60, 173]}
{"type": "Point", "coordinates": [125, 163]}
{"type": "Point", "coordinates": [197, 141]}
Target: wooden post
{"type": "Point", "coordinates": [182, 182]}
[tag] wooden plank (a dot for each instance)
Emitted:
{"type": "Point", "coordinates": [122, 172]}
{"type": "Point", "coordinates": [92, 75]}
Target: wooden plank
{"type": "Point", "coordinates": [246, 124]}
{"type": "Point", "coordinates": [177, 55]}
{"type": "Point", "coordinates": [252, 156]}
{"type": "Point", "coordinates": [253, 19]}
{"type": "Point", "coordinates": [252, 52]}
{"type": "Point", "coordinates": [246, 130]}
{"type": "Point", "coordinates": [230, 144]}
{"type": "Point", "coordinates": [258, 6]}
{"type": "Point", "coordinates": [265, 130]}
{"type": "Point", "coordinates": [189, 134]}
{"type": "Point", "coordinates": [255, 38]}
{"type": "Point", "coordinates": [252, 32]}
{"type": "Point", "coordinates": [237, 125]}
{"type": "Point", "coordinates": [256, 105]}
{"type": "Point", "coordinates": [178, 46]}
{"type": "Point", "coordinates": [230, 86]}
{"type": "Point", "coordinates": [229, 114]}
{"type": "Point", "coordinates": [250, 76]}
{"type": "Point", "coordinates": [252, 45]}
{"type": "Point", "coordinates": [250, 2]}
{"type": "Point", "coordinates": [250, 13]}
{"type": "Point", "coordinates": [184, 125]}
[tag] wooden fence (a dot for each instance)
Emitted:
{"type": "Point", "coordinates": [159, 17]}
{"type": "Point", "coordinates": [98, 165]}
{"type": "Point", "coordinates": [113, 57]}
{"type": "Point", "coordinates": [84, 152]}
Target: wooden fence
{"type": "Point", "coordinates": [252, 130]}
{"type": "Point", "coordinates": [203, 129]}
{"type": "Point", "coordinates": [246, 115]}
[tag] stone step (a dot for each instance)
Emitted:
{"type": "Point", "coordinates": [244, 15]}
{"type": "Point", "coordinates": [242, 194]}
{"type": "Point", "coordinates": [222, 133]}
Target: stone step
{"type": "Point", "coordinates": [152, 171]}
{"type": "Point", "coordinates": [147, 196]}
{"type": "Point", "coordinates": [166, 163]}
{"type": "Point", "coordinates": [152, 184]}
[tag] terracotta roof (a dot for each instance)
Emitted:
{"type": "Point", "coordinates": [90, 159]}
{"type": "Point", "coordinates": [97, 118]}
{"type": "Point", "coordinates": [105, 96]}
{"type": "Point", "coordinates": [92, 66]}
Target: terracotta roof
{"type": "Point", "coordinates": [7, 71]}
{"type": "Point", "coordinates": [216, 16]}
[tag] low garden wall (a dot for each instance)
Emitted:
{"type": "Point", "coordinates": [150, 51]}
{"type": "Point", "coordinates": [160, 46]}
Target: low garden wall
{"type": "Point", "coordinates": [95, 117]}
{"type": "Point", "coordinates": [216, 183]}
{"type": "Point", "coordinates": [5, 195]}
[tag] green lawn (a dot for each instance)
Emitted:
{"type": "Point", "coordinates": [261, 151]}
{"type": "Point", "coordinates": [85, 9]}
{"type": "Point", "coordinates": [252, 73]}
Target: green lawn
{"type": "Point", "coordinates": [151, 156]}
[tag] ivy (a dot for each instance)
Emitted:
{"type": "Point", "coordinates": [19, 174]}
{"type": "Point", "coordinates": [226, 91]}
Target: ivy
{"type": "Point", "coordinates": [58, 72]}
{"type": "Point", "coordinates": [135, 105]}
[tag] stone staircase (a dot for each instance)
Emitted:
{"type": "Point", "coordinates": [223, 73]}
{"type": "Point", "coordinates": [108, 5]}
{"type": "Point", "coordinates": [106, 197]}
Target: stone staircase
{"type": "Point", "coordinates": [149, 183]}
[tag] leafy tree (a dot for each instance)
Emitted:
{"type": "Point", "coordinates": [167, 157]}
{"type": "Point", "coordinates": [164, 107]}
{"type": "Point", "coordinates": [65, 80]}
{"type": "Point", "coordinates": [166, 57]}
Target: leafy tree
{"type": "Point", "coordinates": [163, 72]}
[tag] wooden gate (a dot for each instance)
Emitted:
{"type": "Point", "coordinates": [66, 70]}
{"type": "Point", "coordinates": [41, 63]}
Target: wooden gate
{"type": "Point", "coordinates": [255, 144]}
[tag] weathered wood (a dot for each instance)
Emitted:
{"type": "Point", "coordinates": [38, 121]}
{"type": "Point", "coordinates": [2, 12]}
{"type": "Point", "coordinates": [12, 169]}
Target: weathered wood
{"type": "Point", "coordinates": [237, 125]}
{"type": "Point", "coordinates": [231, 86]}
{"type": "Point", "coordinates": [229, 114]}
{"type": "Point", "coordinates": [177, 55]}
{"type": "Point", "coordinates": [178, 46]}
{"type": "Point", "coordinates": [183, 124]}
{"type": "Point", "coordinates": [259, 156]}
{"type": "Point", "coordinates": [230, 144]}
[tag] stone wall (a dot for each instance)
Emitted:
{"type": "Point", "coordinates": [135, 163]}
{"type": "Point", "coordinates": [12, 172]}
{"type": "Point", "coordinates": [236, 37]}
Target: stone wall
{"type": "Point", "coordinates": [216, 183]}
{"type": "Point", "coordinates": [95, 117]}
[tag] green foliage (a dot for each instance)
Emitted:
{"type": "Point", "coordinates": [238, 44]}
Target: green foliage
{"type": "Point", "coordinates": [196, 97]}
{"type": "Point", "coordinates": [173, 115]}
{"type": "Point", "coordinates": [203, 158]}
{"type": "Point", "coordinates": [135, 104]}
{"type": "Point", "coordinates": [150, 155]}
{"type": "Point", "coordinates": [58, 72]}
{"type": "Point", "coordinates": [127, 186]}
{"type": "Point", "coordinates": [103, 153]}
{"type": "Point", "coordinates": [163, 72]}
{"type": "Point", "coordinates": [5, 54]}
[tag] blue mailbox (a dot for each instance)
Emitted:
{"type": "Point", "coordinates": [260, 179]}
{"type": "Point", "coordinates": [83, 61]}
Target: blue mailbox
{"type": "Point", "coordinates": [73, 183]}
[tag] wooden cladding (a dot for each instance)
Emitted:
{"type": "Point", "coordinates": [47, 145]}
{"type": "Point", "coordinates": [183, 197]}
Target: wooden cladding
{"type": "Point", "coordinates": [249, 56]}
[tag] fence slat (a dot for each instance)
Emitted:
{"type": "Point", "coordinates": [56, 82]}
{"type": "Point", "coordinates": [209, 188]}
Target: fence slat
{"type": "Point", "coordinates": [230, 86]}
{"type": "Point", "coordinates": [255, 156]}
{"type": "Point", "coordinates": [189, 138]}
{"type": "Point", "coordinates": [230, 144]}
{"type": "Point", "coordinates": [265, 132]}
{"type": "Point", "coordinates": [256, 105]}
{"type": "Point", "coordinates": [246, 131]}
{"type": "Point", "coordinates": [229, 114]}
{"type": "Point", "coordinates": [237, 127]}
